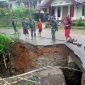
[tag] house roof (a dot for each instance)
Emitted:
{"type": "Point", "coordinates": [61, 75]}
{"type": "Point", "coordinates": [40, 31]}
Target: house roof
{"type": "Point", "coordinates": [44, 4]}
{"type": "Point", "coordinates": [47, 3]}
{"type": "Point", "coordinates": [80, 1]}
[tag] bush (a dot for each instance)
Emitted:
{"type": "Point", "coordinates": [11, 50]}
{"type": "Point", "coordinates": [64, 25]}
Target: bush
{"type": "Point", "coordinates": [3, 11]}
{"type": "Point", "coordinates": [36, 16]}
{"type": "Point", "coordinates": [78, 23]}
{"type": "Point", "coordinates": [5, 42]}
{"type": "Point", "coordinates": [1, 48]}
{"type": "Point", "coordinates": [7, 16]}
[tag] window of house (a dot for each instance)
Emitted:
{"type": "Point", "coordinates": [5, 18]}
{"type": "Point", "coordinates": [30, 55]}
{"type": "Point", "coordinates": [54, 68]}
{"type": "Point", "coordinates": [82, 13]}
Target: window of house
{"type": "Point", "coordinates": [83, 10]}
{"type": "Point", "coordinates": [59, 11]}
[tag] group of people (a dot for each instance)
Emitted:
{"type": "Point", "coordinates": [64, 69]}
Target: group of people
{"type": "Point", "coordinates": [67, 27]}
{"type": "Point", "coordinates": [54, 27]}
{"type": "Point", "coordinates": [28, 25]}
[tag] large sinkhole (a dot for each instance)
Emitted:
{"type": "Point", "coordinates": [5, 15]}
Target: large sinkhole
{"type": "Point", "coordinates": [27, 57]}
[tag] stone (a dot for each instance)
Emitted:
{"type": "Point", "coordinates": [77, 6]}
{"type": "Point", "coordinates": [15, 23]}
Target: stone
{"type": "Point", "coordinates": [83, 79]}
{"type": "Point", "coordinates": [52, 76]}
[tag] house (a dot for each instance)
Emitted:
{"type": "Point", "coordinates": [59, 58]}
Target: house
{"type": "Point", "coordinates": [3, 4]}
{"type": "Point", "coordinates": [7, 3]}
{"type": "Point", "coordinates": [11, 4]}
{"type": "Point", "coordinates": [62, 8]}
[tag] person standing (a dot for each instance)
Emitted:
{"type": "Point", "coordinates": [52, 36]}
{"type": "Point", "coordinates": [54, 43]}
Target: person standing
{"type": "Point", "coordinates": [40, 27]}
{"type": "Point", "coordinates": [32, 28]}
{"type": "Point", "coordinates": [54, 27]}
{"type": "Point", "coordinates": [67, 23]}
{"type": "Point", "coordinates": [25, 28]}
{"type": "Point", "coordinates": [14, 24]}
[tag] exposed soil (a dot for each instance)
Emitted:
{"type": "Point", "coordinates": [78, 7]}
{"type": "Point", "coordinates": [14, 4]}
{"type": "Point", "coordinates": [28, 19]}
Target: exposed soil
{"type": "Point", "coordinates": [26, 59]}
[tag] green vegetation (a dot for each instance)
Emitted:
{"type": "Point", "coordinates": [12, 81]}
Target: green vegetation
{"type": "Point", "coordinates": [6, 16]}
{"type": "Point", "coordinates": [80, 23]}
{"type": "Point", "coordinates": [6, 48]}
{"type": "Point", "coordinates": [23, 82]}
{"type": "Point", "coordinates": [5, 43]}
{"type": "Point", "coordinates": [30, 83]}
{"type": "Point", "coordinates": [1, 48]}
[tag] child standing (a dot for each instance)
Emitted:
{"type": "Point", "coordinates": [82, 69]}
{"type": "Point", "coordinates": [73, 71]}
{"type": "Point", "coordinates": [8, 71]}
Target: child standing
{"type": "Point", "coordinates": [40, 27]}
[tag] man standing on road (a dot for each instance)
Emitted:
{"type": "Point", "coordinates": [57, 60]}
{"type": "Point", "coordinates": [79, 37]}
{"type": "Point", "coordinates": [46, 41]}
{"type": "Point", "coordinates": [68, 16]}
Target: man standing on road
{"type": "Point", "coordinates": [25, 28]}
{"type": "Point", "coordinates": [14, 24]}
{"type": "Point", "coordinates": [54, 27]}
{"type": "Point", "coordinates": [32, 28]}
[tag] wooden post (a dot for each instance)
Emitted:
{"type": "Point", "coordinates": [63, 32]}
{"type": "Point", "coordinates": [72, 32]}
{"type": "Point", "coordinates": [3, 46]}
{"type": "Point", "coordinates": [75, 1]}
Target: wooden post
{"type": "Point", "coordinates": [4, 59]}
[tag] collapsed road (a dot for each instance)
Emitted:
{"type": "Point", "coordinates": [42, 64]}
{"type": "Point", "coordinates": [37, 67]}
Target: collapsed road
{"type": "Point", "coordinates": [77, 56]}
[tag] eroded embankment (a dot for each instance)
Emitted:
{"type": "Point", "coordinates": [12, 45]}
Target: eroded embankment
{"type": "Point", "coordinates": [26, 58]}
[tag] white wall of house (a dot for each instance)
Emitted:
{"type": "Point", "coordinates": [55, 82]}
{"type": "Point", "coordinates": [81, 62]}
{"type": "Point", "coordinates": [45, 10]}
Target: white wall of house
{"type": "Point", "coordinates": [68, 9]}
{"type": "Point", "coordinates": [56, 12]}
{"type": "Point", "coordinates": [61, 3]}
{"type": "Point", "coordinates": [61, 14]}
{"type": "Point", "coordinates": [77, 12]}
